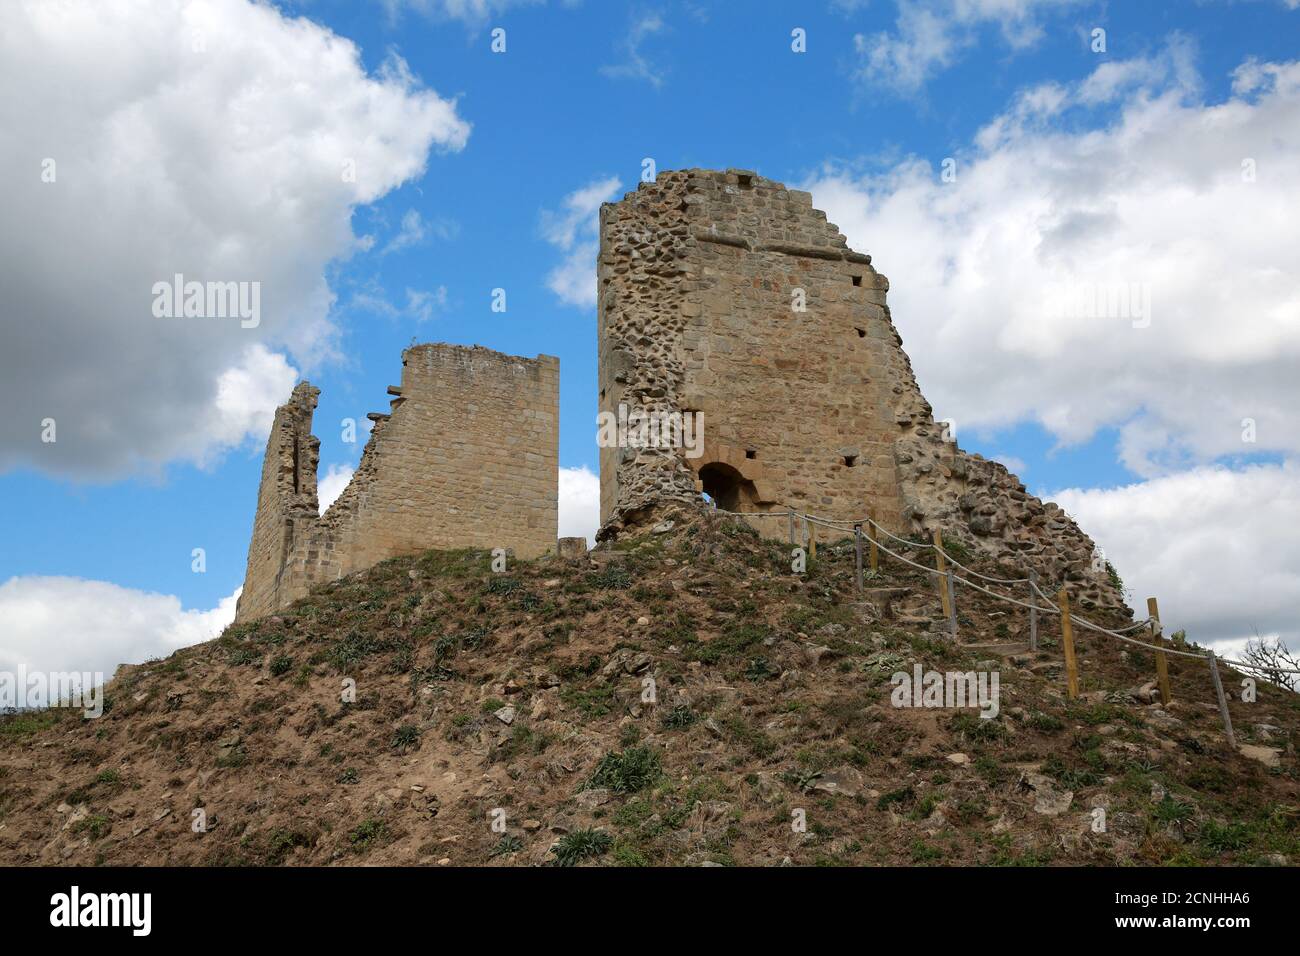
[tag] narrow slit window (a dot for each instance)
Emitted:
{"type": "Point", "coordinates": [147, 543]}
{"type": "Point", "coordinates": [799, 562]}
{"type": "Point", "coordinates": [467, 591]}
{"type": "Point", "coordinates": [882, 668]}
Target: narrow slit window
{"type": "Point", "coordinates": [751, 453]}
{"type": "Point", "coordinates": [857, 280]}
{"type": "Point", "coordinates": [850, 461]}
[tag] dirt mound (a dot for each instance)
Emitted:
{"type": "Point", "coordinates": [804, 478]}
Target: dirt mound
{"type": "Point", "coordinates": [684, 698]}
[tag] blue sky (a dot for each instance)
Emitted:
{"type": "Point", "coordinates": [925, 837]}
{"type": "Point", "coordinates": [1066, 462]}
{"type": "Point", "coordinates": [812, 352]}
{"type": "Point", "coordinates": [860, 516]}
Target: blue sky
{"type": "Point", "coordinates": [583, 93]}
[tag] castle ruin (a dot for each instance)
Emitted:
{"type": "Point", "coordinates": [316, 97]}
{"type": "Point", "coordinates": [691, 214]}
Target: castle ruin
{"type": "Point", "coordinates": [728, 294]}
{"type": "Point", "coordinates": [467, 456]}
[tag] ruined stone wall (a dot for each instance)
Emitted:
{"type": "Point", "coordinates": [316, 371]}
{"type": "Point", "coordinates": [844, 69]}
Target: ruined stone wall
{"type": "Point", "coordinates": [468, 456]}
{"type": "Point", "coordinates": [286, 499]}
{"type": "Point", "coordinates": [700, 278]}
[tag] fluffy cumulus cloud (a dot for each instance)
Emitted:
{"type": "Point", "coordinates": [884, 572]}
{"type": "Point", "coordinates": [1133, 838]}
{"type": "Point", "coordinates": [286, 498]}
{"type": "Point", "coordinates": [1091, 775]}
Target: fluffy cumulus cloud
{"type": "Point", "coordinates": [1138, 273]}
{"type": "Point", "coordinates": [579, 503]}
{"type": "Point", "coordinates": [575, 230]}
{"type": "Point", "coordinates": [219, 140]}
{"type": "Point", "coordinates": [331, 486]}
{"type": "Point", "coordinates": [62, 624]}
{"type": "Point", "coordinates": [1216, 547]}
{"type": "Point", "coordinates": [931, 35]}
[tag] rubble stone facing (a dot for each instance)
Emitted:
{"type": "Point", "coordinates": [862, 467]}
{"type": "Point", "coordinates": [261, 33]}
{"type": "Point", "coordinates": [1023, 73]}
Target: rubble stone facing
{"type": "Point", "coordinates": [467, 456]}
{"type": "Point", "coordinates": [817, 411]}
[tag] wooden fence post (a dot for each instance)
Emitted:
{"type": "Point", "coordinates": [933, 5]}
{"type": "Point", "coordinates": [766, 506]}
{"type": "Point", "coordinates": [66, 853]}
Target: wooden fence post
{"type": "Point", "coordinates": [1162, 659]}
{"type": "Point", "coordinates": [857, 554]}
{"type": "Point", "coordinates": [1033, 611]}
{"type": "Point", "coordinates": [1067, 640]}
{"type": "Point", "coordinates": [1223, 700]}
{"type": "Point", "coordinates": [941, 567]}
{"type": "Point", "coordinates": [791, 527]}
{"type": "Point", "coordinates": [952, 606]}
{"type": "Point", "coordinates": [871, 532]}
{"type": "Point", "coordinates": [812, 540]}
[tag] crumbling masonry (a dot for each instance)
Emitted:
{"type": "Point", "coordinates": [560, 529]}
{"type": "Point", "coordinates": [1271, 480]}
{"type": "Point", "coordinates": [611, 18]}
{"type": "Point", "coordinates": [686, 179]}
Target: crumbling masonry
{"type": "Point", "coordinates": [467, 456]}
{"type": "Point", "coordinates": [701, 277]}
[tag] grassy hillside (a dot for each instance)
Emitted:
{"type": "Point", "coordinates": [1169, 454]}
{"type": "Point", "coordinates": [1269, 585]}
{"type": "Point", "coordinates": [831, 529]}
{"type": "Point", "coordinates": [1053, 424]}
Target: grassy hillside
{"type": "Point", "coordinates": [523, 692]}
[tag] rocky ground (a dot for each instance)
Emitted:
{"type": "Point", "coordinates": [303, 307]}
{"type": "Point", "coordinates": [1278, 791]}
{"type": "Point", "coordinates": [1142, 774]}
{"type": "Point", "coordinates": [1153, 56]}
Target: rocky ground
{"type": "Point", "coordinates": [501, 719]}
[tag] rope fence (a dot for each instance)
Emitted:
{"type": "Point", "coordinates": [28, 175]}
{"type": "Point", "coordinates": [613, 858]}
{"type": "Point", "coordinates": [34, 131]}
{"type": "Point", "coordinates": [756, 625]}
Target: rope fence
{"type": "Point", "coordinates": [947, 579]}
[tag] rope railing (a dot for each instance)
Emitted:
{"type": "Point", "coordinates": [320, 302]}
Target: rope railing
{"type": "Point", "coordinates": [1151, 622]}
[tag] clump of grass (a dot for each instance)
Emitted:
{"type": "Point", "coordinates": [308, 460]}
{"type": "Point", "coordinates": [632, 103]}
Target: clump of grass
{"type": "Point", "coordinates": [281, 665]}
{"type": "Point", "coordinates": [506, 845]}
{"type": "Point", "coordinates": [349, 650]}
{"type": "Point", "coordinates": [366, 834]}
{"type": "Point", "coordinates": [591, 701]}
{"type": "Point", "coordinates": [579, 845]}
{"type": "Point", "coordinates": [628, 771]}
{"type": "Point", "coordinates": [28, 722]}
{"type": "Point", "coordinates": [406, 737]}
{"type": "Point", "coordinates": [1170, 810]}
{"type": "Point", "coordinates": [977, 729]}
{"type": "Point", "coordinates": [1222, 837]}
{"type": "Point", "coordinates": [96, 825]}
{"type": "Point", "coordinates": [901, 796]}
{"type": "Point", "coordinates": [679, 718]}
{"type": "Point", "coordinates": [733, 642]}
{"type": "Point", "coordinates": [1046, 723]}
{"type": "Point", "coordinates": [244, 657]}
{"type": "Point", "coordinates": [612, 577]}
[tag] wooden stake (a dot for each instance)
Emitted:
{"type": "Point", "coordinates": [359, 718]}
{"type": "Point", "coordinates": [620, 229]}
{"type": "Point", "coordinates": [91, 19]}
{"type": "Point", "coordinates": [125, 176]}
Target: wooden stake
{"type": "Point", "coordinates": [875, 552]}
{"type": "Point", "coordinates": [1033, 612]}
{"type": "Point", "coordinates": [1067, 639]}
{"type": "Point", "coordinates": [952, 606]}
{"type": "Point", "coordinates": [812, 540]}
{"type": "Point", "coordinates": [1223, 701]}
{"type": "Point", "coordinates": [792, 527]}
{"type": "Point", "coordinates": [941, 567]}
{"type": "Point", "coordinates": [1162, 659]}
{"type": "Point", "coordinates": [857, 554]}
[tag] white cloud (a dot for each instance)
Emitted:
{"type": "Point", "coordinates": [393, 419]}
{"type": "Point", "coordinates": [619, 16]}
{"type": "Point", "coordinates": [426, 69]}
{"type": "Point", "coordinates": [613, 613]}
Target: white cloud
{"type": "Point", "coordinates": [473, 13]}
{"type": "Point", "coordinates": [71, 624]}
{"type": "Point", "coordinates": [579, 504]}
{"type": "Point", "coordinates": [1153, 203]}
{"type": "Point", "coordinates": [215, 139]}
{"type": "Point", "coordinates": [636, 65]}
{"type": "Point", "coordinates": [412, 232]}
{"type": "Point", "coordinates": [576, 231]}
{"type": "Point", "coordinates": [331, 486]}
{"type": "Point", "coordinates": [931, 35]}
{"type": "Point", "coordinates": [1218, 548]}
{"type": "Point", "coordinates": [1013, 464]}
{"type": "Point", "coordinates": [247, 396]}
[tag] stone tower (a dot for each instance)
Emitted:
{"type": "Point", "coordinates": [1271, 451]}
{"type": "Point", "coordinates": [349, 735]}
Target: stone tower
{"type": "Point", "coordinates": [728, 294]}
{"type": "Point", "coordinates": [467, 456]}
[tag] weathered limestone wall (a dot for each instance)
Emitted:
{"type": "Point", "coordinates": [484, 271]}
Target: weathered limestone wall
{"type": "Point", "coordinates": [699, 278]}
{"type": "Point", "coordinates": [468, 456]}
{"type": "Point", "coordinates": [286, 500]}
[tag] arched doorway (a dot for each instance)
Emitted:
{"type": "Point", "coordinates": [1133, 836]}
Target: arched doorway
{"type": "Point", "coordinates": [727, 487]}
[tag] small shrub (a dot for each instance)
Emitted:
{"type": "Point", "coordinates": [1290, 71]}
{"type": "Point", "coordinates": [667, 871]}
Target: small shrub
{"type": "Point", "coordinates": [369, 832]}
